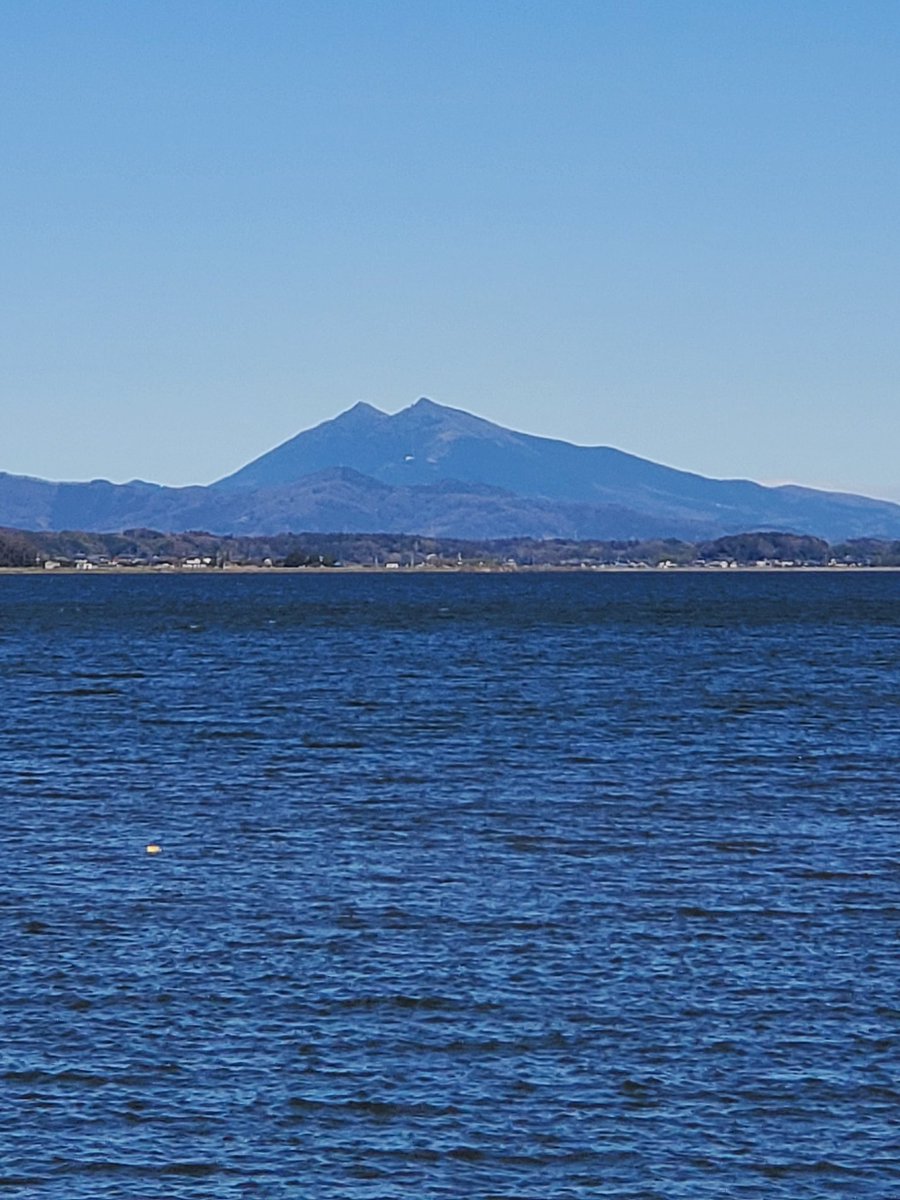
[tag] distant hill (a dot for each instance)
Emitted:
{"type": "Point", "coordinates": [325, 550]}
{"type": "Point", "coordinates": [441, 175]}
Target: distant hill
{"type": "Point", "coordinates": [21, 549]}
{"type": "Point", "coordinates": [437, 471]}
{"type": "Point", "coordinates": [338, 500]}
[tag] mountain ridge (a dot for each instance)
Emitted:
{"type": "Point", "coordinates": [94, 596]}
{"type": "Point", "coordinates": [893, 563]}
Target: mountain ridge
{"type": "Point", "coordinates": [435, 470]}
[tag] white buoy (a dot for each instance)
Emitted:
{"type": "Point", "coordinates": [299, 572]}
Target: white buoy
{"type": "Point", "coordinates": [154, 849]}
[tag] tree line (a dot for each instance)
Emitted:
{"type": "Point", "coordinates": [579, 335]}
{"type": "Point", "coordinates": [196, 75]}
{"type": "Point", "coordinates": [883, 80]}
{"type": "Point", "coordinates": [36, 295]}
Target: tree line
{"type": "Point", "coordinates": [147, 547]}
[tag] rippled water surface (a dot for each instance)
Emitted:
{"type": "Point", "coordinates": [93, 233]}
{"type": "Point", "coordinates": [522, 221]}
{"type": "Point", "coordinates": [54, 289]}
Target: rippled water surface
{"type": "Point", "coordinates": [470, 886]}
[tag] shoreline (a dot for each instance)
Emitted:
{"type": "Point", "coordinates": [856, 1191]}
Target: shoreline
{"type": "Point", "coordinates": [404, 571]}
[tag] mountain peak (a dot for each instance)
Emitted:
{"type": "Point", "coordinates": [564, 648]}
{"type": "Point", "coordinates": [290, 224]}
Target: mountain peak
{"type": "Point", "coordinates": [428, 414]}
{"type": "Point", "coordinates": [362, 409]}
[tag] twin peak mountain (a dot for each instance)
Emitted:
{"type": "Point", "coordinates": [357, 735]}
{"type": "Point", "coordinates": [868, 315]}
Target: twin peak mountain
{"type": "Point", "coordinates": [441, 472]}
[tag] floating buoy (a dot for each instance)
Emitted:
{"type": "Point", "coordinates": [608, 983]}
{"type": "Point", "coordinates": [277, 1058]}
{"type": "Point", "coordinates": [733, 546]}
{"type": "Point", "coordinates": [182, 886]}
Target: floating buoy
{"type": "Point", "coordinates": [154, 849]}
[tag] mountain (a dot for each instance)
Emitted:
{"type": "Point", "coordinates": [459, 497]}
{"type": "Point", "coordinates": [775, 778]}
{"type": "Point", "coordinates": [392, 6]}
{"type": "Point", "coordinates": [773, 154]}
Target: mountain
{"type": "Point", "coordinates": [439, 471]}
{"type": "Point", "coordinates": [428, 442]}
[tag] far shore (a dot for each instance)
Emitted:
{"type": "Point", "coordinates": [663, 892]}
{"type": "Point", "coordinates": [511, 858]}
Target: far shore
{"type": "Point", "coordinates": [474, 569]}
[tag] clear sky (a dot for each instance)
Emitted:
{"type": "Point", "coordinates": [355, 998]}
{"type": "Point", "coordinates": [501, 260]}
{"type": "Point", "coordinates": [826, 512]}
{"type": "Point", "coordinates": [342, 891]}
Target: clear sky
{"type": "Point", "coordinates": [666, 226]}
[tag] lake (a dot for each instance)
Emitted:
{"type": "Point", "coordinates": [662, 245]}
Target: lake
{"type": "Point", "coordinates": [485, 887]}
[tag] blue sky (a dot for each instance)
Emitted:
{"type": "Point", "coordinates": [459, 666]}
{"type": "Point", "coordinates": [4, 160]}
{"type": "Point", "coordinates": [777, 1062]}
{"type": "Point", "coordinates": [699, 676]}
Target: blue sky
{"type": "Point", "coordinates": [669, 227]}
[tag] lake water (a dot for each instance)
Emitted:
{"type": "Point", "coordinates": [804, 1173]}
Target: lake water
{"type": "Point", "coordinates": [470, 886]}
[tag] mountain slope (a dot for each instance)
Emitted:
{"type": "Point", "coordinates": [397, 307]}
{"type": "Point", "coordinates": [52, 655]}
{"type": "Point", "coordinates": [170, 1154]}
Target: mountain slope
{"type": "Point", "coordinates": [339, 500]}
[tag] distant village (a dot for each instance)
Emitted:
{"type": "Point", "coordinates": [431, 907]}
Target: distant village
{"type": "Point", "coordinates": [198, 551]}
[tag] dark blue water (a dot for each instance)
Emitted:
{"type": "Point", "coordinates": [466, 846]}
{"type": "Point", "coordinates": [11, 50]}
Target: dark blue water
{"type": "Point", "coordinates": [470, 887]}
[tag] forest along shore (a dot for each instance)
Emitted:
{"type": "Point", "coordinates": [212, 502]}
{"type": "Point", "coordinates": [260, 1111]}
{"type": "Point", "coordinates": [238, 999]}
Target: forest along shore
{"type": "Point", "coordinates": [145, 549]}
